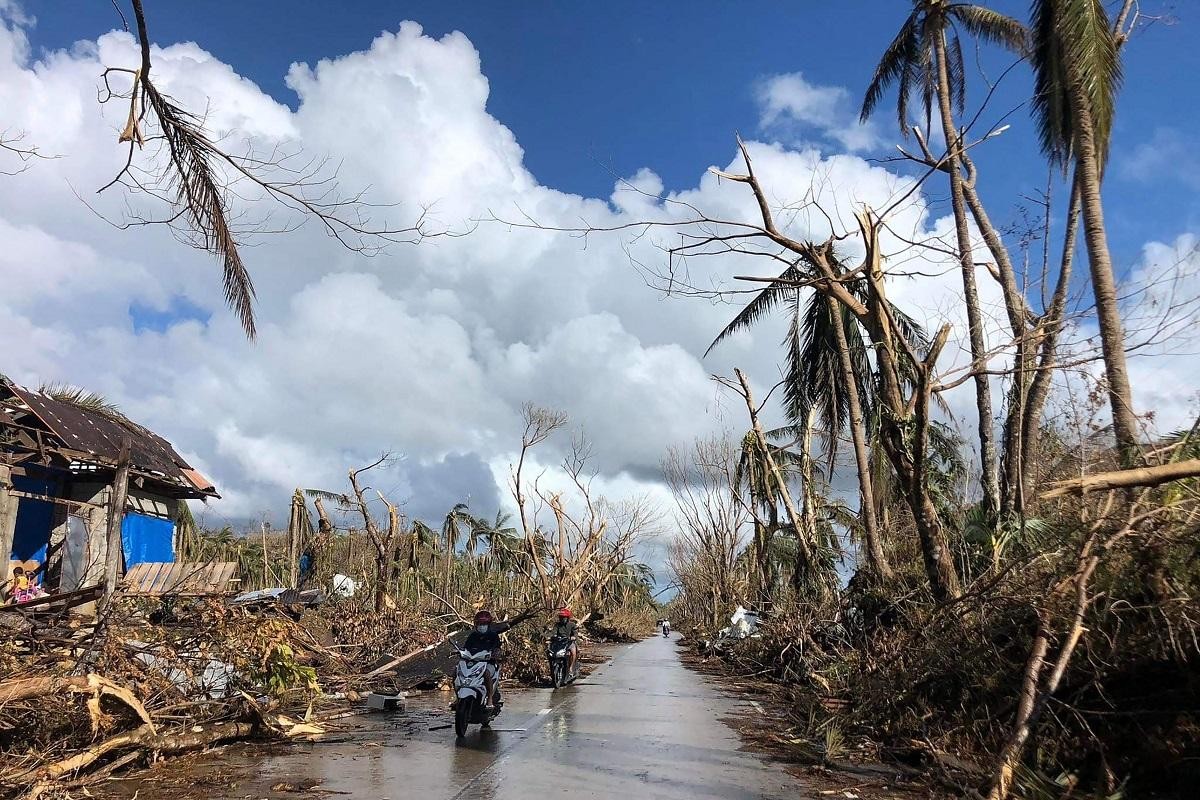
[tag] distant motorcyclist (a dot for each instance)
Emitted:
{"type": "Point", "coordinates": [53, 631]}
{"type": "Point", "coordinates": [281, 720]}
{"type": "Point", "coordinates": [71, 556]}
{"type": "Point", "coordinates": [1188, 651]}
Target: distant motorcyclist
{"type": "Point", "coordinates": [666, 627]}
{"type": "Point", "coordinates": [566, 628]}
{"type": "Point", "coordinates": [486, 636]}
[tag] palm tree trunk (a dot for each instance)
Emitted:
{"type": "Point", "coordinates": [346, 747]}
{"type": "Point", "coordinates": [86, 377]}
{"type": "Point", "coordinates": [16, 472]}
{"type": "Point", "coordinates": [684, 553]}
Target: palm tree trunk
{"type": "Point", "coordinates": [1052, 325]}
{"type": "Point", "coordinates": [1108, 312]}
{"type": "Point", "coordinates": [1011, 488]}
{"type": "Point", "coordinates": [805, 549]}
{"type": "Point", "coordinates": [800, 575]}
{"type": "Point", "coordinates": [983, 397]}
{"type": "Point", "coordinates": [876, 559]}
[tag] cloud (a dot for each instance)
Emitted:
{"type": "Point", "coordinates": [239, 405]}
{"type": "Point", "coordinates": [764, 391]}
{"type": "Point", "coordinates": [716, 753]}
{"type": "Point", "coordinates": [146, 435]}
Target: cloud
{"type": "Point", "coordinates": [424, 351]}
{"type": "Point", "coordinates": [791, 106]}
{"type": "Point", "coordinates": [1170, 154]}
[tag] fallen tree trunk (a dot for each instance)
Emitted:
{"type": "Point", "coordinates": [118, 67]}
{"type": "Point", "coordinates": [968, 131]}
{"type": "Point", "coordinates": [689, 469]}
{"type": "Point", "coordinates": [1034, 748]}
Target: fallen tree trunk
{"type": "Point", "coordinates": [1125, 478]}
{"type": "Point", "coordinates": [145, 738]}
{"type": "Point", "coordinates": [95, 685]}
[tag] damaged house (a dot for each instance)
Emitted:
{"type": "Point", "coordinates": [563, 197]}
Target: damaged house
{"type": "Point", "coordinates": [60, 458]}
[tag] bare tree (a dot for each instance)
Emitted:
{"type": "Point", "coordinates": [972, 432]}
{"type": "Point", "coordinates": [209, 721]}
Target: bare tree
{"type": "Point", "coordinates": [539, 424]}
{"type": "Point", "coordinates": [384, 541]}
{"type": "Point", "coordinates": [710, 523]}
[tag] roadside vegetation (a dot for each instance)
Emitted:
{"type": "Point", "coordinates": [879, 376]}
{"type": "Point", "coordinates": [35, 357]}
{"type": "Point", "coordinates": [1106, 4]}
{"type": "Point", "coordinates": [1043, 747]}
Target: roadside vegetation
{"type": "Point", "coordinates": [1024, 625]}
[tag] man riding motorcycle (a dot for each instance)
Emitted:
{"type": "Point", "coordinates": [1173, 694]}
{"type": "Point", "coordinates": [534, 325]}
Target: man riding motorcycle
{"type": "Point", "coordinates": [566, 628]}
{"type": "Point", "coordinates": [486, 636]}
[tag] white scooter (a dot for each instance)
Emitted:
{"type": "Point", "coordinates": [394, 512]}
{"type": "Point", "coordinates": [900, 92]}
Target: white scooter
{"type": "Point", "coordinates": [471, 705]}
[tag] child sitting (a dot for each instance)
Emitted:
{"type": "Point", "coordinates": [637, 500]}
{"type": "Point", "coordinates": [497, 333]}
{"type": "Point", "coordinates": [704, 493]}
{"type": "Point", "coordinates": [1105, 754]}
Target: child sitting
{"type": "Point", "coordinates": [19, 586]}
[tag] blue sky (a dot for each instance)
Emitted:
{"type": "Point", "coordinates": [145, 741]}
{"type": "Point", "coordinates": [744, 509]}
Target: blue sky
{"type": "Point", "coordinates": [593, 90]}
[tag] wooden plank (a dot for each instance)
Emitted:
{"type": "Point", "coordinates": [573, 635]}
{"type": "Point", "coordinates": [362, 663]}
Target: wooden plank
{"type": "Point", "coordinates": [154, 575]}
{"type": "Point", "coordinates": [181, 578]}
{"type": "Point", "coordinates": [164, 579]}
{"type": "Point", "coordinates": [144, 578]}
{"type": "Point", "coordinates": [134, 576]}
{"type": "Point", "coordinates": [199, 578]}
{"type": "Point", "coordinates": [193, 577]}
{"type": "Point", "coordinates": [45, 498]}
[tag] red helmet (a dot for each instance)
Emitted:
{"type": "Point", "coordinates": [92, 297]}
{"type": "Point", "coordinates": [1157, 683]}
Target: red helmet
{"type": "Point", "coordinates": [483, 617]}
{"type": "Point", "coordinates": [565, 613]}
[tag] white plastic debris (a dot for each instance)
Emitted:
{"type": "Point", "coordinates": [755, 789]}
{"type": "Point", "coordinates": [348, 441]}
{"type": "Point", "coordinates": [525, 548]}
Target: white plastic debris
{"type": "Point", "coordinates": [742, 624]}
{"type": "Point", "coordinates": [386, 702]}
{"type": "Point", "coordinates": [344, 585]}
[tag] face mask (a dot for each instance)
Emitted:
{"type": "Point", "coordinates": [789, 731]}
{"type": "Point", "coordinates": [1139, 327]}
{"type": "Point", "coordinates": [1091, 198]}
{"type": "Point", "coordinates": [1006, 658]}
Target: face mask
{"type": "Point", "coordinates": [481, 628]}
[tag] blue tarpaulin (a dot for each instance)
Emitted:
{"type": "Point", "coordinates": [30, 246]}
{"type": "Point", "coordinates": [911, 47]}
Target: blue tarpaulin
{"type": "Point", "coordinates": [34, 517]}
{"type": "Point", "coordinates": [146, 538]}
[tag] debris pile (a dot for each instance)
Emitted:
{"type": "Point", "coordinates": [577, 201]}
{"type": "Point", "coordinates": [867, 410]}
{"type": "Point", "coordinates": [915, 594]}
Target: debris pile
{"type": "Point", "coordinates": [80, 700]}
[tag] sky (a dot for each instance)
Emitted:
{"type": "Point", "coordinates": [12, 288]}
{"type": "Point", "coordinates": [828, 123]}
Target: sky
{"type": "Point", "coordinates": [548, 111]}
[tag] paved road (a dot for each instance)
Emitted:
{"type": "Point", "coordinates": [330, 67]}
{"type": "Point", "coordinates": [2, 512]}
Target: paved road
{"type": "Point", "coordinates": [640, 726]}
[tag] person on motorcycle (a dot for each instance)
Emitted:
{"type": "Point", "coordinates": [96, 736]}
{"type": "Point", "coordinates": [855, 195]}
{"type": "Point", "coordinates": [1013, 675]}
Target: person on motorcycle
{"type": "Point", "coordinates": [565, 628]}
{"type": "Point", "coordinates": [486, 636]}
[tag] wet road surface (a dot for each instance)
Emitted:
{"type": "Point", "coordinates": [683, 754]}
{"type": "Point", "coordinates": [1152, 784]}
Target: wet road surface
{"type": "Point", "coordinates": [640, 726]}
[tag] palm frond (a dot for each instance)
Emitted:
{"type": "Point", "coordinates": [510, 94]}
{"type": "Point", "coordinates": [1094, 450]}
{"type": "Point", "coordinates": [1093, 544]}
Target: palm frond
{"type": "Point", "coordinates": [989, 25]}
{"type": "Point", "coordinates": [199, 195]}
{"type": "Point", "coordinates": [1072, 41]}
{"type": "Point", "coordinates": [83, 399]}
{"type": "Point", "coordinates": [926, 68]}
{"type": "Point", "coordinates": [958, 74]}
{"type": "Point", "coordinates": [332, 497]}
{"type": "Point", "coordinates": [1051, 104]}
{"type": "Point", "coordinates": [894, 66]}
{"type": "Point", "coordinates": [762, 304]}
{"type": "Point", "coordinates": [1092, 51]}
{"type": "Point", "coordinates": [821, 371]}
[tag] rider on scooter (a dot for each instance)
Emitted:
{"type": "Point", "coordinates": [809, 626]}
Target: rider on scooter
{"type": "Point", "coordinates": [565, 628]}
{"type": "Point", "coordinates": [486, 636]}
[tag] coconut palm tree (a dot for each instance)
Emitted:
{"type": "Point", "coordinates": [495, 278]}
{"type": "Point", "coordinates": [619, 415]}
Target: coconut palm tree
{"type": "Point", "coordinates": [926, 57]}
{"type": "Point", "coordinates": [828, 369]}
{"type": "Point", "coordinates": [1077, 70]}
{"type": "Point", "coordinates": [502, 539]}
{"type": "Point", "coordinates": [753, 479]}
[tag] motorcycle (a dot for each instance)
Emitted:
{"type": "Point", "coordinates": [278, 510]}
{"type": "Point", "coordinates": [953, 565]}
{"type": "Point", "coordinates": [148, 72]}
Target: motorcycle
{"type": "Point", "coordinates": [558, 654]}
{"type": "Point", "coordinates": [666, 630]}
{"type": "Point", "coordinates": [471, 705]}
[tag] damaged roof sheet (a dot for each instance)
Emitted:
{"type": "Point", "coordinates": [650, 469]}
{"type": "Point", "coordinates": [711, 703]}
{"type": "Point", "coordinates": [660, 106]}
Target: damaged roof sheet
{"type": "Point", "coordinates": [99, 434]}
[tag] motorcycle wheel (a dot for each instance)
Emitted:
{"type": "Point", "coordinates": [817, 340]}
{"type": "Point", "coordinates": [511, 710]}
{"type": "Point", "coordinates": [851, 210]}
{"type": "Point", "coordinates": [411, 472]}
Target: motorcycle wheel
{"type": "Point", "coordinates": [462, 715]}
{"type": "Point", "coordinates": [556, 673]}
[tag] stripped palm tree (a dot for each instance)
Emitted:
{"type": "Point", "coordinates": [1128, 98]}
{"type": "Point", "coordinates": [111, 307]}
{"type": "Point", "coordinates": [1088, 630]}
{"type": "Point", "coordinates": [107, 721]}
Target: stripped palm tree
{"type": "Point", "coordinates": [421, 538]}
{"type": "Point", "coordinates": [753, 480]}
{"type": "Point", "coordinates": [926, 58]}
{"type": "Point", "coordinates": [1077, 71]}
{"type": "Point", "coordinates": [456, 518]}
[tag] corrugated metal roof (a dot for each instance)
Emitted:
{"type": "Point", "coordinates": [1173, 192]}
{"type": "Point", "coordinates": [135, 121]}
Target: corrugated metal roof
{"type": "Point", "coordinates": [100, 435]}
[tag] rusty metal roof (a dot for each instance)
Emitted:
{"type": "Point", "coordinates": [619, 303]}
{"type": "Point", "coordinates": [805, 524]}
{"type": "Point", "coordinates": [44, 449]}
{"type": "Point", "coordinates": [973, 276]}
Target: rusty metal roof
{"type": "Point", "coordinates": [81, 429]}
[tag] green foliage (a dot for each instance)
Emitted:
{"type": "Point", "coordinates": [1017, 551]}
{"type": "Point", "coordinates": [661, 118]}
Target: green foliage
{"type": "Point", "coordinates": [909, 62]}
{"type": "Point", "coordinates": [1073, 43]}
{"type": "Point", "coordinates": [281, 673]}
